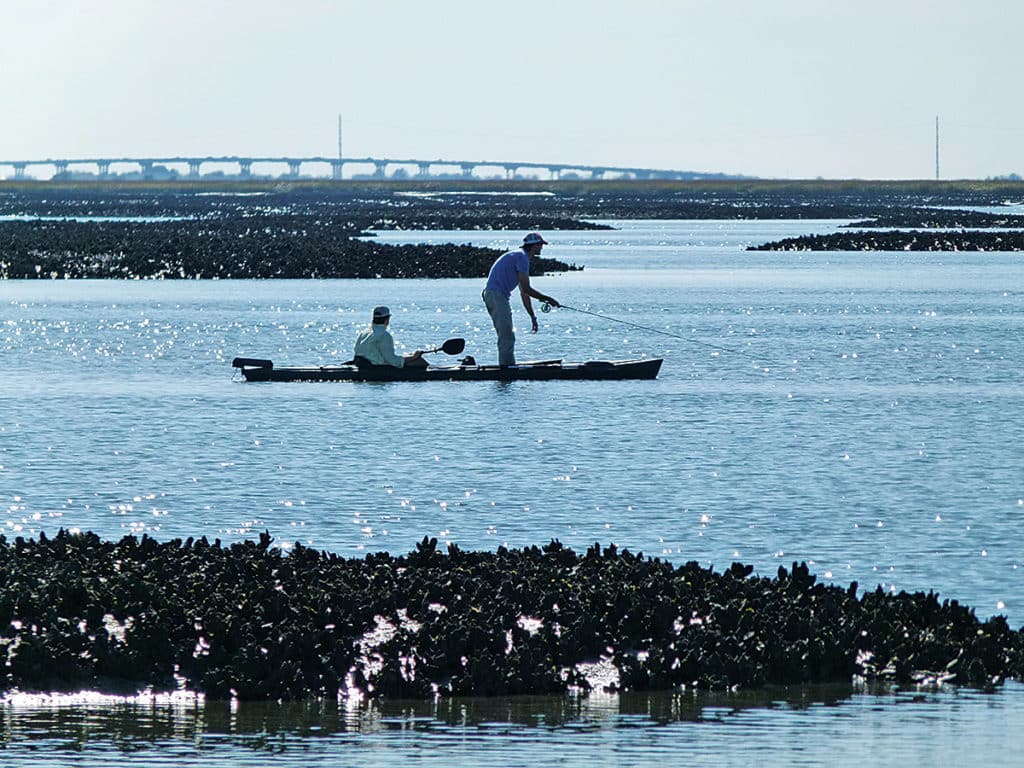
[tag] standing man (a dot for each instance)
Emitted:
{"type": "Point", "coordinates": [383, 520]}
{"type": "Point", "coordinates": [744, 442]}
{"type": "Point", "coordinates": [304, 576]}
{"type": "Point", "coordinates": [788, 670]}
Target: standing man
{"type": "Point", "coordinates": [512, 270]}
{"type": "Point", "coordinates": [376, 346]}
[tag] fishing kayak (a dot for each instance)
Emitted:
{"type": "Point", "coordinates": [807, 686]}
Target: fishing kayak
{"type": "Point", "coordinates": [542, 370]}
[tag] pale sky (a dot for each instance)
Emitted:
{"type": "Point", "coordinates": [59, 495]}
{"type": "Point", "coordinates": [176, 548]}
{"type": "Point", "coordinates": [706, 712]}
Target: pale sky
{"type": "Point", "coordinates": [769, 88]}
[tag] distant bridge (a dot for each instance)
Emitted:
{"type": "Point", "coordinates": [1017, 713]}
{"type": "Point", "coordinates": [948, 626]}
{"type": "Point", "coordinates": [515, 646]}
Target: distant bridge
{"type": "Point", "coordinates": [160, 167]}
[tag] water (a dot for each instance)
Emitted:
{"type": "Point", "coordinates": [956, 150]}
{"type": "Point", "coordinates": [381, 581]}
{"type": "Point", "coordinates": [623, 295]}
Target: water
{"type": "Point", "coordinates": [813, 728]}
{"type": "Point", "coordinates": [866, 419]}
{"type": "Point", "coordinates": [135, 219]}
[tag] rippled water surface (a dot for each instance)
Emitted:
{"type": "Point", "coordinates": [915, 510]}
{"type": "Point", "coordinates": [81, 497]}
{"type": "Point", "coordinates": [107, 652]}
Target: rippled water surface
{"type": "Point", "coordinates": [858, 411]}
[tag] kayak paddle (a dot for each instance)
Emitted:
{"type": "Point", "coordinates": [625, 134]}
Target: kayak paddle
{"type": "Point", "coordinates": [450, 347]}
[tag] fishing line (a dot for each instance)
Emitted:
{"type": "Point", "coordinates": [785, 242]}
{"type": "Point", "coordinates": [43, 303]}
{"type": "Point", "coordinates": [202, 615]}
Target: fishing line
{"type": "Point", "coordinates": [545, 307]}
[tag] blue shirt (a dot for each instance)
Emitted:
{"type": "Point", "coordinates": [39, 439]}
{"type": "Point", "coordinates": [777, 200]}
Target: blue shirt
{"type": "Point", "coordinates": [504, 275]}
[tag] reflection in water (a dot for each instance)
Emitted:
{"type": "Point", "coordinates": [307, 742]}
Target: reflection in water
{"type": "Point", "coordinates": [795, 726]}
{"type": "Point", "coordinates": [72, 721]}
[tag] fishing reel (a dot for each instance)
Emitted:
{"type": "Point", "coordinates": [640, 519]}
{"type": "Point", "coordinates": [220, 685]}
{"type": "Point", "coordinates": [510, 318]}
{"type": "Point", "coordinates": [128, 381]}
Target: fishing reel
{"type": "Point", "coordinates": [545, 307]}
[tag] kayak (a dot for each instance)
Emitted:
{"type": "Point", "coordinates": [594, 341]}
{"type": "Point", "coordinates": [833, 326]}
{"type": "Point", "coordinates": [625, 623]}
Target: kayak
{"type": "Point", "coordinates": [254, 369]}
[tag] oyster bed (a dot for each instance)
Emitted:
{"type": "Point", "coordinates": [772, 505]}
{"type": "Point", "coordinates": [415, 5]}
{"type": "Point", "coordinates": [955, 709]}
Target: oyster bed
{"type": "Point", "coordinates": [251, 621]}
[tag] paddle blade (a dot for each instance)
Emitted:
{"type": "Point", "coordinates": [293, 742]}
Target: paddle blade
{"type": "Point", "coordinates": [453, 346]}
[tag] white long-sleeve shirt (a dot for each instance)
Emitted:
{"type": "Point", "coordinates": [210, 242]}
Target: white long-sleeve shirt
{"type": "Point", "coordinates": [377, 346]}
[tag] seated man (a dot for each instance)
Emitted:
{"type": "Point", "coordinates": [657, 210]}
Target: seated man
{"type": "Point", "coordinates": [376, 347]}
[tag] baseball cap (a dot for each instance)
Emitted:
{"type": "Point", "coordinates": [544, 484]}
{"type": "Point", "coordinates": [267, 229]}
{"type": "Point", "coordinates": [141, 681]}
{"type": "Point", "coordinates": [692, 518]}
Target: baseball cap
{"type": "Point", "coordinates": [533, 239]}
{"type": "Point", "coordinates": [379, 313]}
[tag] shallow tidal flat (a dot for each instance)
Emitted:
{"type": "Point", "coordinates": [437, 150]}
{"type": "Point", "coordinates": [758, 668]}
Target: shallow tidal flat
{"type": "Point", "coordinates": [252, 622]}
{"type": "Point", "coordinates": [318, 230]}
{"type": "Point", "coordinates": [916, 229]}
{"type": "Point", "coordinates": [261, 247]}
{"type": "Point", "coordinates": [160, 234]}
{"type": "Point", "coordinates": [909, 240]}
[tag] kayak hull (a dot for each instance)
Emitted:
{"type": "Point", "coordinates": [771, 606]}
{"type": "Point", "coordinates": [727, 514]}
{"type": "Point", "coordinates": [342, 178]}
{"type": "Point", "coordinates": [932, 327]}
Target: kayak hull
{"type": "Point", "coordinates": [548, 370]}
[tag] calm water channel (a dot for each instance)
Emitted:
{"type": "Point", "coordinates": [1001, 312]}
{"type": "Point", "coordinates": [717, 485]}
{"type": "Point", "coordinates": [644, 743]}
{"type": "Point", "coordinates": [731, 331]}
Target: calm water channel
{"type": "Point", "coordinates": [858, 411]}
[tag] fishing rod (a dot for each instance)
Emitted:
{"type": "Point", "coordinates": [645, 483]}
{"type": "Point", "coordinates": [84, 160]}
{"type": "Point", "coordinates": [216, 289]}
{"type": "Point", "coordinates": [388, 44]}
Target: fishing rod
{"type": "Point", "coordinates": [546, 307]}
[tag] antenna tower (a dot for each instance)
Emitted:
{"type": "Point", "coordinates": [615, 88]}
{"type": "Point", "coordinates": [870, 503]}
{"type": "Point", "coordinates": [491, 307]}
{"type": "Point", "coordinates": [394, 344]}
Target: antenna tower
{"type": "Point", "coordinates": [936, 147]}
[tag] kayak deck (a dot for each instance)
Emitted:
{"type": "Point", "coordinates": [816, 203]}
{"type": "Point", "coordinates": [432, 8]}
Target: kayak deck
{"type": "Point", "coordinates": [545, 370]}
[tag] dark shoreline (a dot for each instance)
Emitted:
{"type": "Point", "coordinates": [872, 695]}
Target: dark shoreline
{"type": "Point", "coordinates": [247, 621]}
{"type": "Point", "coordinates": [313, 229]}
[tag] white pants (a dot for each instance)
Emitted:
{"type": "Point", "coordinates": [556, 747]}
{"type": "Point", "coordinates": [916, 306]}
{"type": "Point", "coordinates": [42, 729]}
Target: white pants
{"type": "Point", "coordinates": [501, 315]}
